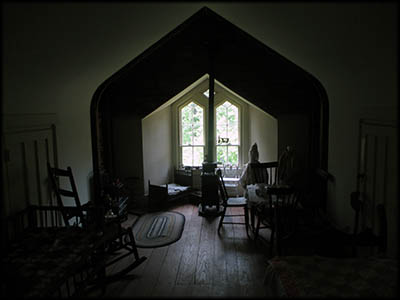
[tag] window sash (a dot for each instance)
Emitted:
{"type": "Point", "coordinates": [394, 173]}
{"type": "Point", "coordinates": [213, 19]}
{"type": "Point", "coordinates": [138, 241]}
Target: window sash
{"type": "Point", "coordinates": [192, 161]}
{"type": "Point", "coordinates": [225, 127]}
{"type": "Point", "coordinates": [225, 158]}
{"type": "Point", "coordinates": [231, 127]}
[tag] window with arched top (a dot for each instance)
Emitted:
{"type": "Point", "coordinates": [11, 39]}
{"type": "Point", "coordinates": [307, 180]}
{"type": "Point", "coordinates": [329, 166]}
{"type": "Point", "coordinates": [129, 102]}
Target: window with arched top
{"type": "Point", "coordinates": [227, 133]}
{"type": "Point", "coordinates": [192, 134]}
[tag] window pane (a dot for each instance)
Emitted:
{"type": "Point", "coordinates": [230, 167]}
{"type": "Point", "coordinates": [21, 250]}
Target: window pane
{"type": "Point", "coordinates": [220, 133]}
{"type": "Point", "coordinates": [187, 155]}
{"type": "Point", "coordinates": [198, 156]}
{"type": "Point", "coordinates": [233, 124]}
{"type": "Point", "coordinates": [192, 156]}
{"type": "Point", "coordinates": [192, 125]}
{"type": "Point", "coordinates": [198, 128]}
{"type": "Point", "coordinates": [187, 134]}
{"type": "Point", "coordinates": [186, 114]}
{"type": "Point", "coordinates": [222, 154]}
{"type": "Point", "coordinates": [228, 122]}
{"type": "Point", "coordinates": [233, 113]}
{"type": "Point", "coordinates": [233, 134]}
{"type": "Point", "coordinates": [233, 155]}
{"type": "Point", "coordinates": [221, 115]}
{"type": "Point", "coordinates": [221, 122]}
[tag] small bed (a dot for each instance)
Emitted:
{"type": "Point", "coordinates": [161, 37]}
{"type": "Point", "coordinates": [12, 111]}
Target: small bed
{"type": "Point", "coordinates": [317, 276]}
{"type": "Point", "coordinates": [161, 195]}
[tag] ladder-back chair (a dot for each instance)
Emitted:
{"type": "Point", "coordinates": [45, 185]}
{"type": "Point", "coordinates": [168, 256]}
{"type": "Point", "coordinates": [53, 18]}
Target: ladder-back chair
{"type": "Point", "coordinates": [78, 215]}
{"type": "Point", "coordinates": [113, 238]}
{"type": "Point", "coordinates": [264, 172]}
{"type": "Point", "coordinates": [231, 202]}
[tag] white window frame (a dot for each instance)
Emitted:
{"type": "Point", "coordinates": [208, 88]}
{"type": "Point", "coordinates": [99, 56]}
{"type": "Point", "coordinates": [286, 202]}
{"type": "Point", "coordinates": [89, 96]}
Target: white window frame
{"type": "Point", "coordinates": [220, 98]}
{"type": "Point", "coordinates": [196, 95]}
{"type": "Point", "coordinates": [180, 145]}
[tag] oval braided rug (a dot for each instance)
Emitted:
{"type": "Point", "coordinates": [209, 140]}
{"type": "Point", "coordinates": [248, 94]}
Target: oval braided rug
{"type": "Point", "coordinates": [158, 229]}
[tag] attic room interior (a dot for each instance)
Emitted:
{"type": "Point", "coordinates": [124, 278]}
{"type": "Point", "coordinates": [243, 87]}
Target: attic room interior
{"type": "Point", "coordinates": [170, 143]}
{"type": "Point", "coordinates": [133, 93]}
{"type": "Point", "coordinates": [159, 131]}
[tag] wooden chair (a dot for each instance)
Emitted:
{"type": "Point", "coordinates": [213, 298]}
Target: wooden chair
{"type": "Point", "coordinates": [262, 172]}
{"type": "Point", "coordinates": [78, 216]}
{"type": "Point", "coordinates": [265, 172]}
{"type": "Point", "coordinates": [113, 236]}
{"type": "Point", "coordinates": [278, 215]}
{"type": "Point", "coordinates": [231, 202]}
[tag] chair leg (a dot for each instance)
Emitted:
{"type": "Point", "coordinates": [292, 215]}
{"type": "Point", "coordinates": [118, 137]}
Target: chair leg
{"type": "Point", "coordinates": [251, 219]}
{"type": "Point", "coordinates": [221, 219]}
{"type": "Point", "coordinates": [133, 243]}
{"type": "Point", "coordinates": [271, 249]}
{"type": "Point", "coordinates": [246, 220]}
{"type": "Point", "coordinates": [257, 229]}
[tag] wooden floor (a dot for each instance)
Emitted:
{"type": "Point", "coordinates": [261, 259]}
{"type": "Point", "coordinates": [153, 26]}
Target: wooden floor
{"type": "Point", "coordinates": [202, 263]}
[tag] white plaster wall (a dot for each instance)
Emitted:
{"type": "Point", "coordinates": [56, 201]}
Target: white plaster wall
{"type": "Point", "coordinates": [263, 130]}
{"type": "Point", "coordinates": [157, 148]}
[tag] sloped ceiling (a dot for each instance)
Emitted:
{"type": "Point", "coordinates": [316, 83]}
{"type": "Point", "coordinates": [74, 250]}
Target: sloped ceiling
{"type": "Point", "coordinates": [241, 63]}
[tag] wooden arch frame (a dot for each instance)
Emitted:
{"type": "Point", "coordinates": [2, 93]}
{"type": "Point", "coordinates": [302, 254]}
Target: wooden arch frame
{"type": "Point", "coordinates": [292, 82]}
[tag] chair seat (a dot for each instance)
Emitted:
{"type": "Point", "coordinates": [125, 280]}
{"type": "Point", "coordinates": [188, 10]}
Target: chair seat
{"type": "Point", "coordinates": [231, 179]}
{"type": "Point", "coordinates": [237, 201]}
{"type": "Point", "coordinates": [231, 185]}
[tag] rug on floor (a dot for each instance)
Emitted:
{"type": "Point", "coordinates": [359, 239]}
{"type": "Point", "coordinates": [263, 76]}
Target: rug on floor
{"type": "Point", "coordinates": [158, 229]}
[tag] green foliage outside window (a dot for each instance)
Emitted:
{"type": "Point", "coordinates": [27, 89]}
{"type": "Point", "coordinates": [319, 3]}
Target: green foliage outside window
{"type": "Point", "coordinates": [227, 119]}
{"type": "Point", "coordinates": [192, 135]}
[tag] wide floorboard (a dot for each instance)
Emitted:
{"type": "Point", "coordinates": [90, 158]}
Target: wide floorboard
{"type": "Point", "coordinates": [202, 263]}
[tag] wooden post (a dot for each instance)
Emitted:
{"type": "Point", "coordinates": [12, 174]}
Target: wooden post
{"type": "Point", "coordinates": [209, 185]}
{"type": "Point", "coordinates": [211, 139]}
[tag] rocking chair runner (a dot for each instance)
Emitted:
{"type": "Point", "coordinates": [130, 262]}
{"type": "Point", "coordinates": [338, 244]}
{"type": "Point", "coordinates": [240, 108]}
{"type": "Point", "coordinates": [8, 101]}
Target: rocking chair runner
{"type": "Point", "coordinates": [114, 237]}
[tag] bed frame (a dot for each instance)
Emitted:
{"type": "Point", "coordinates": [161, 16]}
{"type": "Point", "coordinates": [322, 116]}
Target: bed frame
{"type": "Point", "coordinates": [160, 198]}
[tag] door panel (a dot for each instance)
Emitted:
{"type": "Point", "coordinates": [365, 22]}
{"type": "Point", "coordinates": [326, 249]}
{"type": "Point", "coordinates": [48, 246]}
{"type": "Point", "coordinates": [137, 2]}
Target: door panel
{"type": "Point", "coordinates": [27, 148]}
{"type": "Point", "coordinates": [377, 180]}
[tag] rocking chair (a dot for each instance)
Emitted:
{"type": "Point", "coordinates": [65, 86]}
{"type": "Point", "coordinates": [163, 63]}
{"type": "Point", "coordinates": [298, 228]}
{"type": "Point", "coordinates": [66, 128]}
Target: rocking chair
{"type": "Point", "coordinates": [113, 238]}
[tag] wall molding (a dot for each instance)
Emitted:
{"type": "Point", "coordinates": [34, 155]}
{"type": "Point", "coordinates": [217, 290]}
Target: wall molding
{"type": "Point", "coordinates": [27, 121]}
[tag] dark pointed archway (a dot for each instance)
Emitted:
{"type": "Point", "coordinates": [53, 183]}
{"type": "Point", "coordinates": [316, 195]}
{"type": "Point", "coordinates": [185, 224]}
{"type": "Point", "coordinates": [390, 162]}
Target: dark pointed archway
{"type": "Point", "coordinates": [241, 62]}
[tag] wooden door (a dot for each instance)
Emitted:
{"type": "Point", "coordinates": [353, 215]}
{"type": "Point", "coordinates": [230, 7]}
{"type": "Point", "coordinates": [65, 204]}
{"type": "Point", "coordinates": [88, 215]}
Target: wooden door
{"type": "Point", "coordinates": [378, 177]}
{"type": "Point", "coordinates": [29, 142]}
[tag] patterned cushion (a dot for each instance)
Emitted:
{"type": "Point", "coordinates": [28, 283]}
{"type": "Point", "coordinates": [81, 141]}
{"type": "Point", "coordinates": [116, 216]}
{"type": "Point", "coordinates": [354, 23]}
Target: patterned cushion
{"type": "Point", "coordinates": [43, 258]}
{"type": "Point", "coordinates": [316, 276]}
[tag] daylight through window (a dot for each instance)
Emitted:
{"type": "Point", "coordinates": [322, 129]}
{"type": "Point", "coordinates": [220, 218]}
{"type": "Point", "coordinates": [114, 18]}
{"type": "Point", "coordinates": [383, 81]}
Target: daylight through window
{"type": "Point", "coordinates": [228, 143]}
{"type": "Point", "coordinates": [192, 134]}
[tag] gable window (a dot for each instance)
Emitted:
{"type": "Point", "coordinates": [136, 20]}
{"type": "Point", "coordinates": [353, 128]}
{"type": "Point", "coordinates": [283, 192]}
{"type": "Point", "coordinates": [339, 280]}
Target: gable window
{"type": "Point", "coordinates": [227, 133]}
{"type": "Point", "coordinates": [190, 127]}
{"type": "Point", "coordinates": [192, 134]}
